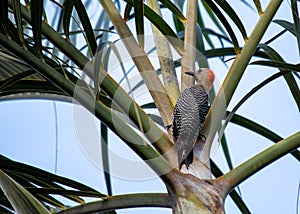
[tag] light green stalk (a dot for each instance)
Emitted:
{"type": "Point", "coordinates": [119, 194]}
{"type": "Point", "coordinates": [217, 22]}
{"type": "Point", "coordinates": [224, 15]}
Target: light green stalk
{"type": "Point", "coordinates": [221, 101]}
{"type": "Point", "coordinates": [21, 199]}
{"type": "Point", "coordinates": [189, 55]}
{"type": "Point", "coordinates": [165, 58]}
{"type": "Point", "coordinates": [142, 62]}
{"type": "Point", "coordinates": [253, 165]}
{"type": "Point", "coordinates": [121, 202]}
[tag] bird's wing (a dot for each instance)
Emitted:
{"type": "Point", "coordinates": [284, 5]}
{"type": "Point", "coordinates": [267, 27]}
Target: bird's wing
{"type": "Point", "coordinates": [187, 119]}
{"type": "Point", "coordinates": [190, 112]}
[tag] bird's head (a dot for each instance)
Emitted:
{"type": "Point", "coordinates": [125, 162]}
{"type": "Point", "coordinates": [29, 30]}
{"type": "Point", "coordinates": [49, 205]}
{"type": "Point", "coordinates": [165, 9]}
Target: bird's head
{"type": "Point", "coordinates": [204, 77]}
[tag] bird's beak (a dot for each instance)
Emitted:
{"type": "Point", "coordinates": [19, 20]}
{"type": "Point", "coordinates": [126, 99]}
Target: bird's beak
{"type": "Point", "coordinates": [190, 73]}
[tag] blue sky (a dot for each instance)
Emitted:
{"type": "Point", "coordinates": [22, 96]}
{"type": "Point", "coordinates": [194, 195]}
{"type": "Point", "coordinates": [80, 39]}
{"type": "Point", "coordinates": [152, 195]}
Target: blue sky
{"type": "Point", "coordinates": [28, 134]}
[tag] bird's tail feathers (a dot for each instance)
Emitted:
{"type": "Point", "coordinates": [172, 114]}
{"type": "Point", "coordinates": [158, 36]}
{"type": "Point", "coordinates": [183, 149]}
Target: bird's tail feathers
{"type": "Point", "coordinates": [185, 155]}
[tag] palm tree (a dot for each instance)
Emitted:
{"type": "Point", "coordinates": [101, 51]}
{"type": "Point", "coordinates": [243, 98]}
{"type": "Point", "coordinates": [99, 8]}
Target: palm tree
{"type": "Point", "coordinates": [68, 57]}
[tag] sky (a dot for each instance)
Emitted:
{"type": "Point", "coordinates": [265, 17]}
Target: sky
{"type": "Point", "coordinates": [33, 132]}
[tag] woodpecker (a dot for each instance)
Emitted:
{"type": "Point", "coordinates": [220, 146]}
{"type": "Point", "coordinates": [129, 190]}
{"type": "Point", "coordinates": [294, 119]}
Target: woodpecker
{"type": "Point", "coordinates": [189, 114]}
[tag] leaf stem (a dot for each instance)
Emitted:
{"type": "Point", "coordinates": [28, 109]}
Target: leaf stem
{"type": "Point", "coordinates": [121, 202]}
{"type": "Point", "coordinates": [165, 57]}
{"type": "Point", "coordinates": [138, 55]}
{"type": "Point", "coordinates": [189, 55]}
{"type": "Point", "coordinates": [221, 101]}
{"type": "Point", "coordinates": [256, 163]}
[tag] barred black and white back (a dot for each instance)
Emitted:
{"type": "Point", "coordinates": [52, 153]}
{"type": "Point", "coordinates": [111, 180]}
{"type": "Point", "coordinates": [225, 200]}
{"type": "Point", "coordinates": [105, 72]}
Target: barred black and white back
{"type": "Point", "coordinates": [188, 117]}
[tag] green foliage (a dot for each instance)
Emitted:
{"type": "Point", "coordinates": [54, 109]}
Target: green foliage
{"type": "Point", "coordinates": [46, 61]}
{"type": "Point", "coordinates": [40, 184]}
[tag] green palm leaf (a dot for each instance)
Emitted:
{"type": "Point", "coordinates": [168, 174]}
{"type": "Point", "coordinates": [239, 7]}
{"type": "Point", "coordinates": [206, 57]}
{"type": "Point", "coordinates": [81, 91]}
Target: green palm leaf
{"type": "Point", "coordinates": [234, 17]}
{"type": "Point", "coordinates": [105, 157]}
{"type": "Point", "coordinates": [66, 17]}
{"type": "Point", "coordinates": [36, 8]}
{"type": "Point", "coordinates": [18, 18]}
{"type": "Point", "coordinates": [175, 11]}
{"type": "Point", "coordinates": [289, 78]}
{"type": "Point", "coordinates": [164, 28]}
{"type": "Point", "coordinates": [21, 200]}
{"type": "Point", "coordinates": [257, 128]}
{"type": "Point", "coordinates": [87, 26]}
{"type": "Point", "coordinates": [59, 73]}
{"type": "Point", "coordinates": [138, 6]}
{"type": "Point", "coordinates": [258, 6]}
{"type": "Point", "coordinates": [296, 19]}
{"type": "Point", "coordinates": [4, 17]}
{"type": "Point", "coordinates": [225, 24]}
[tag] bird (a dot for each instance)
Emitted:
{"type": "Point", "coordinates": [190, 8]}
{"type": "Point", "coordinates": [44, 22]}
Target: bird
{"type": "Point", "coordinates": [189, 115]}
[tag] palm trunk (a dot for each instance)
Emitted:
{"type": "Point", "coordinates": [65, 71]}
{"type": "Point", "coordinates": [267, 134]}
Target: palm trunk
{"type": "Point", "coordinates": [192, 195]}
